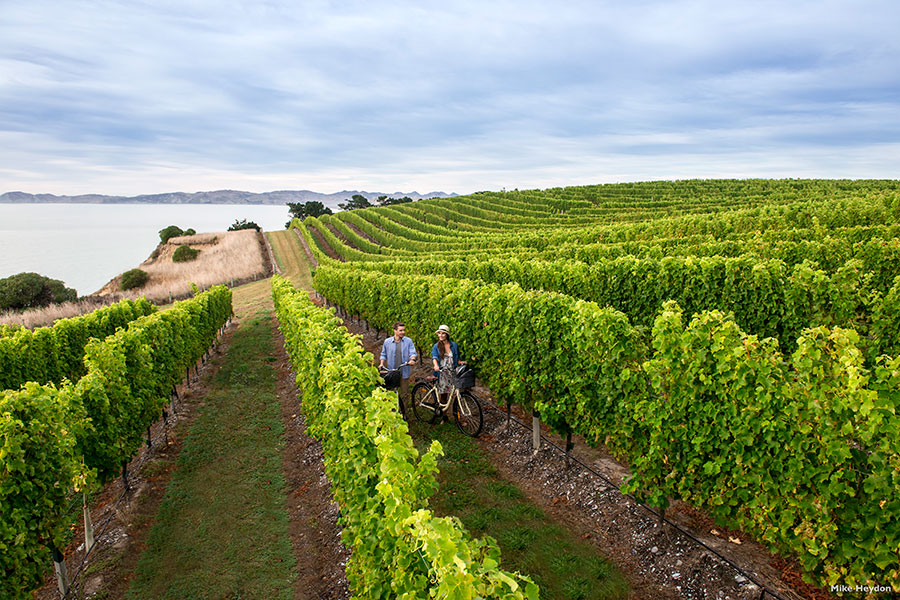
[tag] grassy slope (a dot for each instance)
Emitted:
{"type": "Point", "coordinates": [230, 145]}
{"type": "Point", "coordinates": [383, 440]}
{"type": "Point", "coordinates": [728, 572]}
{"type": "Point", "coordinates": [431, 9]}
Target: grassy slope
{"type": "Point", "coordinates": [291, 258]}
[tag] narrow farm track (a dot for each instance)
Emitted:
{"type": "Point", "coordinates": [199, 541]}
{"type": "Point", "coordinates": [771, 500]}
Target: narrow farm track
{"type": "Point", "coordinates": [248, 513]}
{"type": "Point", "coordinates": [222, 527]}
{"type": "Point", "coordinates": [232, 502]}
{"type": "Point", "coordinates": [291, 258]}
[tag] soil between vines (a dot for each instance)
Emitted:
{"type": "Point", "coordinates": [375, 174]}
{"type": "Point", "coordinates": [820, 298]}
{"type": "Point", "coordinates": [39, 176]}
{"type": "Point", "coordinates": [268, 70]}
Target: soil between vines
{"type": "Point", "coordinates": [659, 561]}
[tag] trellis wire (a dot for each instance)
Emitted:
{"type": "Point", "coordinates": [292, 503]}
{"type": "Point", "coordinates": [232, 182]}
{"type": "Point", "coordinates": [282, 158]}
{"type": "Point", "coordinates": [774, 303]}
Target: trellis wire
{"type": "Point", "coordinates": [765, 590]}
{"type": "Point", "coordinates": [75, 580]}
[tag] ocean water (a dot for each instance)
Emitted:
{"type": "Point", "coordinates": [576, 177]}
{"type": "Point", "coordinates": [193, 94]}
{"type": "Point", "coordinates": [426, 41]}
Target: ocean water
{"type": "Point", "coordinates": [86, 245]}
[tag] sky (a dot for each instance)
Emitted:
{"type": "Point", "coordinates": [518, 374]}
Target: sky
{"type": "Point", "coordinates": [143, 96]}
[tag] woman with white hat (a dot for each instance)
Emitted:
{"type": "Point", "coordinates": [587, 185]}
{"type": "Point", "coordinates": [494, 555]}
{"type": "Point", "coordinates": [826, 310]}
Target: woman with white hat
{"type": "Point", "coordinates": [444, 358]}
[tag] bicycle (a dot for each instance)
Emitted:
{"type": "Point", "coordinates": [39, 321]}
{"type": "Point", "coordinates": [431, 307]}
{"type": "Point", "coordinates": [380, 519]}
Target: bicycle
{"type": "Point", "coordinates": [466, 407]}
{"type": "Point", "coordinates": [390, 380]}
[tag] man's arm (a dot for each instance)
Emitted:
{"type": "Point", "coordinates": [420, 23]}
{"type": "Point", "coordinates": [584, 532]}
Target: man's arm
{"type": "Point", "coordinates": [413, 355]}
{"type": "Point", "coordinates": [383, 356]}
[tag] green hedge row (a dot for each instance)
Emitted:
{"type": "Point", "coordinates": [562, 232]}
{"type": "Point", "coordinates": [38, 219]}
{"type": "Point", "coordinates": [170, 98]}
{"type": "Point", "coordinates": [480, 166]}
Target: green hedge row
{"type": "Point", "coordinates": [400, 549]}
{"type": "Point", "coordinates": [767, 297]}
{"type": "Point", "coordinates": [54, 439]}
{"type": "Point", "coordinates": [394, 214]}
{"type": "Point", "coordinates": [352, 237]}
{"type": "Point", "coordinates": [51, 354]}
{"type": "Point", "coordinates": [131, 374]}
{"type": "Point", "coordinates": [801, 451]}
{"type": "Point", "coordinates": [387, 223]}
{"type": "Point", "coordinates": [817, 216]}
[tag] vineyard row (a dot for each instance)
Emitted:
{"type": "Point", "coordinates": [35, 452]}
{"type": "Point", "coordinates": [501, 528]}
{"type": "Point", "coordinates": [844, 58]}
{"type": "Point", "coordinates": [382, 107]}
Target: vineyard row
{"type": "Point", "coordinates": [60, 439]}
{"type": "Point", "coordinates": [799, 450]}
{"type": "Point", "coordinates": [400, 548]}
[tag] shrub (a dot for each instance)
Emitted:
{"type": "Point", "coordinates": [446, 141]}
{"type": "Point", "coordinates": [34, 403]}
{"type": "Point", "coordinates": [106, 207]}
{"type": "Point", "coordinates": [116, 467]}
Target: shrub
{"type": "Point", "coordinates": [134, 278]}
{"type": "Point", "coordinates": [184, 253]}
{"type": "Point", "coordinates": [243, 224]}
{"type": "Point", "coordinates": [169, 232]}
{"type": "Point", "coordinates": [190, 231]}
{"type": "Point", "coordinates": [31, 290]}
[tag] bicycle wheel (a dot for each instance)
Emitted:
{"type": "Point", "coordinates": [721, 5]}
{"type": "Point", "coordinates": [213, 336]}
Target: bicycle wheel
{"type": "Point", "coordinates": [467, 412]}
{"type": "Point", "coordinates": [424, 403]}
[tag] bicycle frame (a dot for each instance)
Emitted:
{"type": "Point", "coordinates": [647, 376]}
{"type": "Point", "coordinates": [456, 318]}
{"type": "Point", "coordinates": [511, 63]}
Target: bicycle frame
{"type": "Point", "coordinates": [454, 394]}
{"type": "Point", "coordinates": [460, 405]}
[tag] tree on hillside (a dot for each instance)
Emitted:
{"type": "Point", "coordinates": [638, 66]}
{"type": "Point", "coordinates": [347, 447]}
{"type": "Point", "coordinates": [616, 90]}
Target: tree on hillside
{"type": "Point", "coordinates": [388, 201]}
{"type": "Point", "coordinates": [243, 224]}
{"type": "Point", "coordinates": [184, 253]}
{"type": "Point", "coordinates": [169, 232]}
{"type": "Point", "coordinates": [356, 201]}
{"type": "Point", "coordinates": [174, 231]}
{"type": "Point", "coordinates": [134, 278]}
{"type": "Point", "coordinates": [301, 210]}
{"type": "Point", "coordinates": [31, 290]}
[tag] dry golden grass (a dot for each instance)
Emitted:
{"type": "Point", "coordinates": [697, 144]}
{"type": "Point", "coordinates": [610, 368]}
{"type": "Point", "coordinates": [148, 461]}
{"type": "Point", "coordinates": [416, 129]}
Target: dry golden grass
{"type": "Point", "coordinates": [252, 298]}
{"type": "Point", "coordinates": [39, 317]}
{"type": "Point", "coordinates": [193, 240]}
{"type": "Point", "coordinates": [225, 257]}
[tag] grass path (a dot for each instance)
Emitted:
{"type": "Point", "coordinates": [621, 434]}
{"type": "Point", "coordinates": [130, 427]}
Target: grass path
{"type": "Point", "coordinates": [222, 527]}
{"type": "Point", "coordinates": [563, 565]}
{"type": "Point", "coordinates": [291, 258]}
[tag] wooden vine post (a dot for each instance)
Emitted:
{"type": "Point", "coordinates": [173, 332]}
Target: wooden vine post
{"type": "Point", "coordinates": [88, 524]}
{"type": "Point", "coordinates": [62, 577]}
{"type": "Point", "coordinates": [88, 527]}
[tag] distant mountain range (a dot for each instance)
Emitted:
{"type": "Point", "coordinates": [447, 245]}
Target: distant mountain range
{"type": "Point", "coordinates": [217, 197]}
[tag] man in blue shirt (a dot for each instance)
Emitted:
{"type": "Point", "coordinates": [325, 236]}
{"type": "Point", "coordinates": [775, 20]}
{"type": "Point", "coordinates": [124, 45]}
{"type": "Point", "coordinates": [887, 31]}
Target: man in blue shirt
{"type": "Point", "coordinates": [399, 350]}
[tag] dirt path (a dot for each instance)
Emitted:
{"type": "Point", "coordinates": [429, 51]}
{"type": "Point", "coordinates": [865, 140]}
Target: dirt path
{"type": "Point", "coordinates": [320, 239]}
{"type": "Point", "coordinates": [315, 533]}
{"type": "Point", "coordinates": [362, 233]}
{"type": "Point", "coordinates": [127, 519]}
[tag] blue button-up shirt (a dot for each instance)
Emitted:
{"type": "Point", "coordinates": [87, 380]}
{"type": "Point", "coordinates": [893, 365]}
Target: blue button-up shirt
{"type": "Point", "coordinates": [407, 351]}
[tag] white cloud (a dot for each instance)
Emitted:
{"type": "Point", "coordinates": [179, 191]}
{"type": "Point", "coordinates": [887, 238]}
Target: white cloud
{"type": "Point", "coordinates": [127, 97]}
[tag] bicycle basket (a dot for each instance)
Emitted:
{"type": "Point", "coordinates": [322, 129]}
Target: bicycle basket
{"type": "Point", "coordinates": [392, 379]}
{"type": "Point", "coordinates": [464, 377]}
